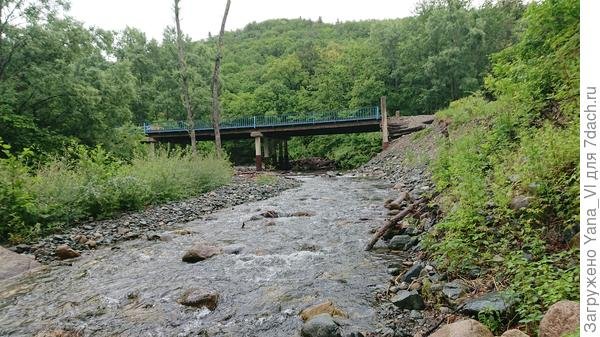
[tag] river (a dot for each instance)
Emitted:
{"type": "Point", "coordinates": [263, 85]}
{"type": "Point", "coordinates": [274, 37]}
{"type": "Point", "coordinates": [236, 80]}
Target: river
{"type": "Point", "coordinates": [287, 263]}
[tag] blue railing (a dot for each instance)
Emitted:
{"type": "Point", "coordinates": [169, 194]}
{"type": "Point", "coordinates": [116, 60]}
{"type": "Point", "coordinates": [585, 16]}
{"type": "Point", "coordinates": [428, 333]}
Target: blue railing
{"type": "Point", "coordinates": [370, 113]}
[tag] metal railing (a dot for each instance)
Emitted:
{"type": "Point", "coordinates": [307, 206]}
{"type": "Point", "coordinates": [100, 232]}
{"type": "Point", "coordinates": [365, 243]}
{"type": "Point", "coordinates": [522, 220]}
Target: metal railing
{"type": "Point", "coordinates": [254, 122]}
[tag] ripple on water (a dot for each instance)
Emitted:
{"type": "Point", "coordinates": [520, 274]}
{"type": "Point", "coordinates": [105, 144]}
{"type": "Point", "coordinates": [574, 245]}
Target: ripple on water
{"type": "Point", "coordinates": [297, 261]}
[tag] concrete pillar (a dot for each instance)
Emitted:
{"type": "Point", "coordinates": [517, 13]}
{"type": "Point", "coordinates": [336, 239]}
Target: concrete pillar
{"type": "Point", "coordinates": [286, 155]}
{"type": "Point", "coordinates": [279, 155]}
{"type": "Point", "coordinates": [384, 124]}
{"type": "Point", "coordinates": [257, 147]}
{"type": "Point", "coordinates": [266, 150]}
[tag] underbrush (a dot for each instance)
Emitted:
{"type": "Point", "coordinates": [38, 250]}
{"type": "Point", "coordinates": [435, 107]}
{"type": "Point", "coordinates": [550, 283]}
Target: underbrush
{"type": "Point", "coordinates": [347, 151]}
{"type": "Point", "coordinates": [92, 183]}
{"type": "Point", "coordinates": [508, 173]}
{"type": "Point", "coordinates": [488, 162]}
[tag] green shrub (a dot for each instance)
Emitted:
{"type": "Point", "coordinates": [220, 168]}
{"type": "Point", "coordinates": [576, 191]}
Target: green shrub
{"type": "Point", "coordinates": [347, 151]}
{"type": "Point", "coordinates": [91, 182]}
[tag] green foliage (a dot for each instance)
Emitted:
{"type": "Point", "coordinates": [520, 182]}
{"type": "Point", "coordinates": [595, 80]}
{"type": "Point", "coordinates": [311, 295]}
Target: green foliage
{"type": "Point", "coordinates": [65, 84]}
{"type": "Point", "coordinates": [347, 151]}
{"type": "Point", "coordinates": [513, 146]}
{"type": "Point", "coordinates": [94, 183]}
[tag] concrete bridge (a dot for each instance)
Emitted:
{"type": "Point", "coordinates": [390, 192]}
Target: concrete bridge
{"type": "Point", "coordinates": [271, 133]}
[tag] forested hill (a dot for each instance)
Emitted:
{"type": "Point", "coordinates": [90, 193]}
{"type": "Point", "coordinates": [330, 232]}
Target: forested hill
{"type": "Point", "coordinates": [61, 82]}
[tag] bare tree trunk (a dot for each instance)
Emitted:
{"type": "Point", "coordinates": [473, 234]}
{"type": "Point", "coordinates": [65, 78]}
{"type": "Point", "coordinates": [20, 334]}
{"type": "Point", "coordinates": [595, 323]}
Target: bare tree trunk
{"type": "Point", "coordinates": [215, 87]}
{"type": "Point", "coordinates": [185, 86]}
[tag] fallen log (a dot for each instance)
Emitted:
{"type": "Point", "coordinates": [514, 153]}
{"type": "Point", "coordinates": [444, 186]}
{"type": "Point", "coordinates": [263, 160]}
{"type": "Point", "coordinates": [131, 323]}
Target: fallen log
{"type": "Point", "coordinates": [392, 222]}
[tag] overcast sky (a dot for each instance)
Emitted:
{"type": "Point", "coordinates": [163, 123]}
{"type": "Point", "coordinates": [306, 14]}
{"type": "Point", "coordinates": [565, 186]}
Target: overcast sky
{"type": "Point", "coordinates": [198, 17]}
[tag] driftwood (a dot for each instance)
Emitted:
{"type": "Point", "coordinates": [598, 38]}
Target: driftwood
{"type": "Point", "coordinates": [392, 222]}
{"type": "Point", "coordinates": [397, 203]}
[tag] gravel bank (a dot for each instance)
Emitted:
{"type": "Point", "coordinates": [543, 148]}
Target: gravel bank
{"type": "Point", "coordinates": [152, 222]}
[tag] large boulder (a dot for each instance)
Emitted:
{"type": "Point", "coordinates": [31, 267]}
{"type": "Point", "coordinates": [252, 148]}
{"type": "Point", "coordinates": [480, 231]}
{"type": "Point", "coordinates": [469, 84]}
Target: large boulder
{"type": "Point", "coordinates": [65, 252]}
{"type": "Point", "coordinates": [321, 325]}
{"type": "Point", "coordinates": [13, 264]}
{"type": "Point", "coordinates": [497, 302]}
{"type": "Point", "coordinates": [200, 252]}
{"type": "Point", "coordinates": [514, 333]}
{"type": "Point", "coordinates": [560, 319]}
{"type": "Point", "coordinates": [199, 298]}
{"type": "Point", "coordinates": [322, 308]}
{"type": "Point", "coordinates": [411, 300]}
{"type": "Point", "coordinates": [465, 328]}
{"type": "Point", "coordinates": [400, 242]}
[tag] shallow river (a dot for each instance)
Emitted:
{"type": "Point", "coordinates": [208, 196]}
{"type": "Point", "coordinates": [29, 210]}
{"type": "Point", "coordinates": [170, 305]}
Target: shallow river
{"type": "Point", "coordinates": [132, 289]}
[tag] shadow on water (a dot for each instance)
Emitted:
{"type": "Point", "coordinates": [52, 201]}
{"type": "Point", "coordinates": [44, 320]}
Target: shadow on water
{"type": "Point", "coordinates": [284, 266]}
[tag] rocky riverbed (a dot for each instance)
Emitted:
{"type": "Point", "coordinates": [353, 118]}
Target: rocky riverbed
{"type": "Point", "coordinates": [247, 270]}
{"type": "Point", "coordinates": [155, 222]}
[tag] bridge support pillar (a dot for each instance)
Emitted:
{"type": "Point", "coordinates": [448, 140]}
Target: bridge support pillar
{"type": "Point", "coordinates": [279, 156]}
{"type": "Point", "coordinates": [257, 146]}
{"type": "Point", "coordinates": [286, 155]}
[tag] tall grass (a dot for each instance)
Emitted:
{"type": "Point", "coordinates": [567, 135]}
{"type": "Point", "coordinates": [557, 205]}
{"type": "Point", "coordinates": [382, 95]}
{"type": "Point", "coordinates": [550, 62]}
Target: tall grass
{"type": "Point", "coordinates": [91, 183]}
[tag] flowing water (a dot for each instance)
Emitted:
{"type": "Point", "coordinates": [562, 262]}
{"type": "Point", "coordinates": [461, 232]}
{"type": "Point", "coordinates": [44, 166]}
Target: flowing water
{"type": "Point", "coordinates": [132, 289]}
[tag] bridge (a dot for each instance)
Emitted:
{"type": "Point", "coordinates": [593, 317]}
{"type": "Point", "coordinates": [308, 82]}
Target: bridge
{"type": "Point", "coordinates": [275, 130]}
{"type": "Point", "coordinates": [271, 133]}
{"type": "Point", "coordinates": [276, 127]}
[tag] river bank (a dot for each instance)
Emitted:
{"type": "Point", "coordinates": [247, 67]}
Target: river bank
{"type": "Point", "coordinates": [154, 222]}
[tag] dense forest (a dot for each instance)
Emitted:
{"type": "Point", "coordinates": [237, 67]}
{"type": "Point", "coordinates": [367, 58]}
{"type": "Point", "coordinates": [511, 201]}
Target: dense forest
{"type": "Point", "coordinates": [63, 84]}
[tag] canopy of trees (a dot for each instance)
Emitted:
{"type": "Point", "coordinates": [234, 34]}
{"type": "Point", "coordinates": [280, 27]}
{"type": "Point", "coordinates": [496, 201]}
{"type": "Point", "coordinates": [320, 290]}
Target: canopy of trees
{"type": "Point", "coordinates": [61, 82]}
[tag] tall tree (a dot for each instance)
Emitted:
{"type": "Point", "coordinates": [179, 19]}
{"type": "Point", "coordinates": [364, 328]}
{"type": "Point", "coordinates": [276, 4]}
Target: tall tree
{"type": "Point", "coordinates": [215, 87]}
{"type": "Point", "coordinates": [185, 85]}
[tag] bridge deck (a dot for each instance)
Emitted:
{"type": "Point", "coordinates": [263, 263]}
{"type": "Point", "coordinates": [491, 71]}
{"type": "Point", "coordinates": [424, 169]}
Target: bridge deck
{"type": "Point", "coordinates": [361, 120]}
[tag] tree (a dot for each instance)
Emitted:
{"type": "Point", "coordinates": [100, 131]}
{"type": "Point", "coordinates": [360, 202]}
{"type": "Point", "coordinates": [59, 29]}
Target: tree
{"type": "Point", "coordinates": [215, 86]}
{"type": "Point", "coordinates": [185, 86]}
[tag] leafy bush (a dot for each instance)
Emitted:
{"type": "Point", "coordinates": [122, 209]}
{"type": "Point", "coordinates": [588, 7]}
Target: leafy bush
{"type": "Point", "coordinates": [91, 182]}
{"type": "Point", "coordinates": [524, 143]}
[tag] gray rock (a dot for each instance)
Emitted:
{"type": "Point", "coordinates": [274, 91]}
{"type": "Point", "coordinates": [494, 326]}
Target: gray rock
{"type": "Point", "coordinates": [520, 202]}
{"type": "Point", "coordinates": [412, 273]}
{"type": "Point", "coordinates": [497, 302]}
{"type": "Point", "coordinates": [400, 242]}
{"type": "Point", "coordinates": [393, 271]}
{"type": "Point", "coordinates": [320, 326]}
{"type": "Point", "coordinates": [405, 299]}
{"type": "Point", "coordinates": [453, 290]}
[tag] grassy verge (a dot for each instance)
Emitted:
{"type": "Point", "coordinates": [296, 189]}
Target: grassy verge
{"type": "Point", "coordinates": [91, 183]}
